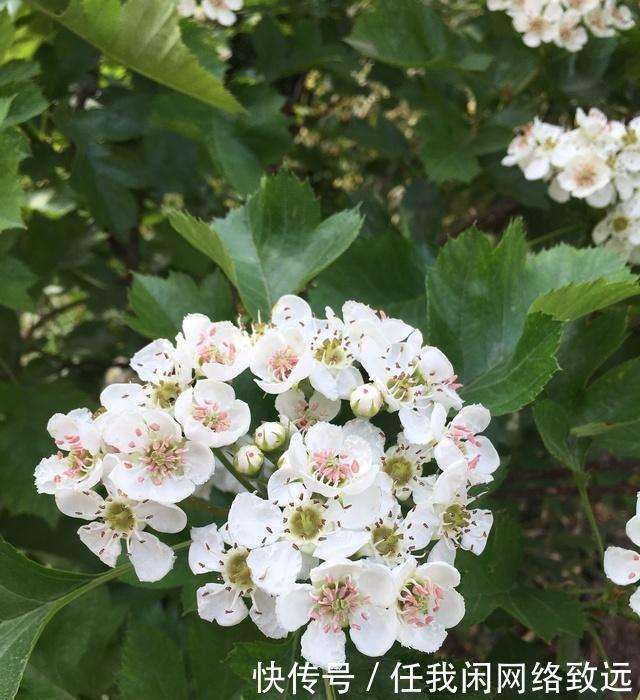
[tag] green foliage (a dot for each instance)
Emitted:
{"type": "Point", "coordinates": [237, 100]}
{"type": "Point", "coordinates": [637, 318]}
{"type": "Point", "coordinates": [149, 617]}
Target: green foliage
{"type": "Point", "coordinates": [144, 36]}
{"type": "Point", "coordinates": [281, 221]}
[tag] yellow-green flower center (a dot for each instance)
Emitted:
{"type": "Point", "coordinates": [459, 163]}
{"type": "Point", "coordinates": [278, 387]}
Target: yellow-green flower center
{"type": "Point", "coordinates": [119, 517]}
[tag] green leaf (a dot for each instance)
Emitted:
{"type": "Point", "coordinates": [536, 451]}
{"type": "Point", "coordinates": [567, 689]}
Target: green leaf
{"type": "Point", "coordinates": [484, 303]}
{"type": "Point", "coordinates": [417, 36]}
{"type": "Point", "coordinates": [14, 149]}
{"type": "Point", "coordinates": [30, 595]}
{"type": "Point", "coordinates": [517, 380]}
{"type": "Point", "coordinates": [274, 244]}
{"type": "Point", "coordinates": [547, 613]}
{"type": "Point", "coordinates": [144, 35]}
{"type": "Point", "coordinates": [19, 458]}
{"type": "Point", "coordinates": [159, 305]}
{"type": "Point", "coordinates": [15, 281]}
{"type": "Point", "coordinates": [554, 426]}
{"type": "Point", "coordinates": [152, 666]}
{"type": "Point", "coordinates": [399, 290]}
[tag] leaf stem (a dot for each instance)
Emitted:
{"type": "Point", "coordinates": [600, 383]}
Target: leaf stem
{"type": "Point", "coordinates": [251, 487]}
{"type": "Point", "coordinates": [581, 479]}
{"type": "Point", "coordinates": [601, 650]}
{"type": "Point", "coordinates": [328, 689]}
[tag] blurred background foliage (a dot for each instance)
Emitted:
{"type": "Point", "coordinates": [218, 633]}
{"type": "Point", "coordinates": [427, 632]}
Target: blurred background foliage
{"type": "Point", "coordinates": [401, 108]}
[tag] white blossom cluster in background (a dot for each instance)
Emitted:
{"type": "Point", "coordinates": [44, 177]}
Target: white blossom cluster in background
{"type": "Point", "coordinates": [565, 22]}
{"type": "Point", "coordinates": [622, 566]}
{"type": "Point", "coordinates": [598, 161]}
{"type": "Point", "coordinates": [335, 527]}
{"type": "Point", "coordinates": [221, 11]}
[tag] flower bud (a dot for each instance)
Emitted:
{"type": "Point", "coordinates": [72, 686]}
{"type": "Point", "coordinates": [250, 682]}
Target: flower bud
{"type": "Point", "coordinates": [248, 460]}
{"type": "Point", "coordinates": [366, 400]}
{"type": "Point", "coordinates": [270, 436]}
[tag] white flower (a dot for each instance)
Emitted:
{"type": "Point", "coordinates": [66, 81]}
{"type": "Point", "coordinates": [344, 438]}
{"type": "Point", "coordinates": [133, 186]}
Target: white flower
{"type": "Point", "coordinates": [210, 413]}
{"type": "Point", "coordinates": [78, 463]}
{"type": "Point", "coordinates": [462, 446]}
{"type": "Point", "coordinates": [123, 397]}
{"type": "Point", "coordinates": [622, 566]}
{"type": "Point", "coordinates": [118, 518]}
{"type": "Point", "coordinates": [304, 413]}
{"type": "Point", "coordinates": [245, 574]}
{"type": "Point", "coordinates": [222, 11]}
{"type": "Point", "coordinates": [427, 604]}
{"type": "Point", "coordinates": [620, 229]}
{"type": "Point", "coordinates": [584, 175]}
{"type": "Point", "coordinates": [571, 34]}
{"type": "Point", "coordinates": [167, 371]}
{"type": "Point", "coordinates": [342, 595]}
{"type": "Point", "coordinates": [331, 460]}
{"type": "Point", "coordinates": [281, 359]}
{"type": "Point", "coordinates": [218, 350]}
{"type": "Point", "coordinates": [361, 322]}
{"type": "Point", "coordinates": [537, 21]}
{"type": "Point", "coordinates": [154, 459]}
{"type": "Point", "coordinates": [451, 519]}
{"type": "Point", "coordinates": [403, 463]}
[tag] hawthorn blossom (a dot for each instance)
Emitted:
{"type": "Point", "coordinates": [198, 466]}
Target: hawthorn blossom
{"type": "Point", "coordinates": [427, 604]}
{"type": "Point", "coordinates": [403, 463]}
{"type": "Point", "coordinates": [342, 595]}
{"type": "Point", "coordinates": [222, 11]}
{"type": "Point", "coordinates": [210, 413]}
{"type": "Point", "coordinates": [622, 566]}
{"type": "Point", "coordinates": [303, 412]}
{"type": "Point", "coordinates": [167, 371]}
{"type": "Point", "coordinates": [78, 463]}
{"type": "Point", "coordinates": [211, 550]}
{"type": "Point", "coordinates": [281, 358]}
{"type": "Point", "coordinates": [117, 519]}
{"type": "Point", "coordinates": [361, 321]}
{"type": "Point", "coordinates": [218, 350]}
{"type": "Point", "coordinates": [154, 459]}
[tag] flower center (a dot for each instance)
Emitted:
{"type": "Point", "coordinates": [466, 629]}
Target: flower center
{"type": "Point", "coordinates": [165, 394]}
{"type": "Point", "coordinates": [119, 517]}
{"type": "Point", "coordinates": [330, 352]}
{"type": "Point", "coordinates": [236, 571]}
{"type": "Point", "coordinates": [211, 417]}
{"type": "Point", "coordinates": [306, 522]}
{"type": "Point", "coordinates": [335, 602]}
{"type": "Point", "coordinates": [586, 175]}
{"type": "Point", "coordinates": [164, 459]}
{"type": "Point", "coordinates": [620, 224]}
{"type": "Point", "coordinates": [79, 463]}
{"type": "Point", "coordinates": [334, 469]}
{"type": "Point", "coordinates": [400, 469]}
{"type": "Point", "coordinates": [401, 386]}
{"type": "Point", "coordinates": [222, 354]}
{"type": "Point", "coordinates": [282, 363]}
{"type": "Point", "coordinates": [419, 601]}
{"type": "Point", "coordinates": [386, 540]}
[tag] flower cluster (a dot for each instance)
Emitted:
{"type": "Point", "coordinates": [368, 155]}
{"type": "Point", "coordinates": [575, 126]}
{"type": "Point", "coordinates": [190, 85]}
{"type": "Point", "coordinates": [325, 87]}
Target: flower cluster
{"type": "Point", "coordinates": [598, 161]}
{"type": "Point", "coordinates": [222, 11]}
{"type": "Point", "coordinates": [622, 566]}
{"type": "Point", "coordinates": [565, 22]}
{"type": "Point", "coordinates": [334, 526]}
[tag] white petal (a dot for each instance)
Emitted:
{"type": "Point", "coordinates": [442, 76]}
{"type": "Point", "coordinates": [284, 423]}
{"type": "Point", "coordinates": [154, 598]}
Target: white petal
{"type": "Point", "coordinates": [442, 552]}
{"type": "Point", "coordinates": [198, 462]}
{"type": "Point", "coordinates": [475, 417]}
{"type": "Point", "coordinates": [634, 601]}
{"type": "Point", "coordinates": [263, 614]}
{"type": "Point", "coordinates": [322, 648]}
{"type": "Point", "coordinates": [275, 567]}
{"type": "Point", "coordinates": [633, 530]}
{"type": "Point", "coordinates": [376, 582]}
{"type": "Point", "coordinates": [622, 566]}
{"type": "Point", "coordinates": [161, 517]}
{"type": "Point", "coordinates": [80, 504]}
{"type": "Point", "coordinates": [217, 603]}
{"type": "Point", "coordinates": [294, 607]}
{"type": "Point", "coordinates": [475, 540]}
{"type": "Point", "coordinates": [102, 541]}
{"type": "Point", "coordinates": [448, 455]}
{"type": "Point", "coordinates": [451, 609]}
{"type": "Point", "coordinates": [206, 549]}
{"type": "Point", "coordinates": [441, 573]}
{"type": "Point", "coordinates": [151, 559]}
{"type": "Point", "coordinates": [427, 639]}
{"type": "Point", "coordinates": [373, 630]}
{"type": "Point", "coordinates": [254, 522]}
{"type": "Point", "coordinates": [340, 544]}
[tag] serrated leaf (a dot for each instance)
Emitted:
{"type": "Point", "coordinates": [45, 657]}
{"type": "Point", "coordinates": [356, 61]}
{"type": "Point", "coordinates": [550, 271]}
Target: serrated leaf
{"type": "Point", "coordinates": [30, 595]}
{"type": "Point", "coordinates": [399, 290]}
{"type": "Point", "coordinates": [547, 613]}
{"type": "Point", "coordinates": [13, 150]}
{"type": "Point", "coordinates": [152, 666]}
{"type": "Point", "coordinates": [482, 302]}
{"type": "Point", "coordinates": [274, 244]}
{"type": "Point", "coordinates": [159, 304]}
{"type": "Point", "coordinates": [15, 281]}
{"type": "Point", "coordinates": [144, 35]}
{"type": "Point", "coordinates": [554, 426]}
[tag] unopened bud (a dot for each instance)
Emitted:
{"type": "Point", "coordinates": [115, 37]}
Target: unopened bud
{"type": "Point", "coordinates": [248, 460]}
{"type": "Point", "coordinates": [270, 436]}
{"type": "Point", "coordinates": [366, 400]}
